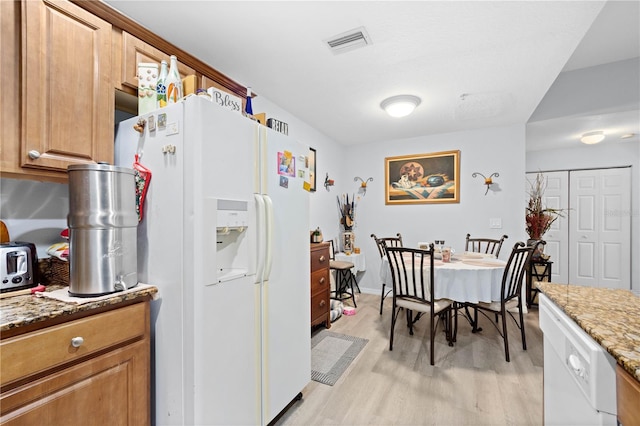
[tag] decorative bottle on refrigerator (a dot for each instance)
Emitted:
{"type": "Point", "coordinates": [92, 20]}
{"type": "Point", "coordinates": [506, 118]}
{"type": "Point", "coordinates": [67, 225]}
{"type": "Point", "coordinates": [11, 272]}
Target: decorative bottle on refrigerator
{"type": "Point", "coordinates": [173, 82]}
{"type": "Point", "coordinates": [161, 85]}
{"type": "Point", "coordinates": [248, 109]}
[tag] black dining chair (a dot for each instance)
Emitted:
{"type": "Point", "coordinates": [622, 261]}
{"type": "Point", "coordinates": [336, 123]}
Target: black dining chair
{"type": "Point", "coordinates": [413, 289]}
{"type": "Point", "coordinates": [381, 244]}
{"type": "Point", "coordinates": [484, 245]}
{"type": "Point", "coordinates": [511, 300]}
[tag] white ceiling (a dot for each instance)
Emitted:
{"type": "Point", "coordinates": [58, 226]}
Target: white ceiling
{"type": "Point", "coordinates": [474, 63]}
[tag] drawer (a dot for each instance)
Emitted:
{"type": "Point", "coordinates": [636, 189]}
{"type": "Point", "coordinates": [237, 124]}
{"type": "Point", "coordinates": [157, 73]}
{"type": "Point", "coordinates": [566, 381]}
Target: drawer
{"type": "Point", "coordinates": [50, 347]}
{"type": "Point", "coordinates": [319, 281]}
{"type": "Point", "coordinates": [319, 259]}
{"type": "Point", "coordinates": [319, 305]}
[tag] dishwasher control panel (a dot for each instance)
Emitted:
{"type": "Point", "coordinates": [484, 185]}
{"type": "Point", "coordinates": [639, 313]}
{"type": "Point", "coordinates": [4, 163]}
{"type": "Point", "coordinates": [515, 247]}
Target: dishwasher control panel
{"type": "Point", "coordinates": [578, 365]}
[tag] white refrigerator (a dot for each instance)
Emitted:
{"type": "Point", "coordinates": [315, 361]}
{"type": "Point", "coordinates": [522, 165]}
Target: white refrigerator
{"type": "Point", "coordinates": [225, 238]}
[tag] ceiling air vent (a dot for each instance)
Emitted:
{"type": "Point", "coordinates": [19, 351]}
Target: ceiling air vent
{"type": "Point", "coordinates": [349, 40]}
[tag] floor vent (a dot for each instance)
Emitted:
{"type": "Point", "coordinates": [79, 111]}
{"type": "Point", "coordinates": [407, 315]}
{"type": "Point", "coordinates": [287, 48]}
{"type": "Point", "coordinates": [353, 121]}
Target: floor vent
{"type": "Point", "coordinates": [349, 40]}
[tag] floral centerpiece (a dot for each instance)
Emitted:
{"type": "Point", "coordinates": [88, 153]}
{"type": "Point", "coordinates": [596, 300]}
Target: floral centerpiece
{"type": "Point", "coordinates": [538, 217]}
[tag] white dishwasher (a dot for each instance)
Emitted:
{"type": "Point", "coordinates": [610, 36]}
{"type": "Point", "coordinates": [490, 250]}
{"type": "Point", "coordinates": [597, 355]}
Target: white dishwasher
{"type": "Point", "coordinates": [579, 374]}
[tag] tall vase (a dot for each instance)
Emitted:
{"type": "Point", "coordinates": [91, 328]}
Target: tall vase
{"type": "Point", "coordinates": [538, 254]}
{"type": "Point", "coordinates": [173, 82]}
{"type": "Point", "coordinates": [348, 241]}
{"type": "Point", "coordinates": [161, 86]}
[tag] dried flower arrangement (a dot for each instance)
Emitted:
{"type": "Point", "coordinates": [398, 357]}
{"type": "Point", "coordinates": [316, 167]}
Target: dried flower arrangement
{"type": "Point", "coordinates": [538, 217]}
{"type": "Point", "coordinates": [347, 211]}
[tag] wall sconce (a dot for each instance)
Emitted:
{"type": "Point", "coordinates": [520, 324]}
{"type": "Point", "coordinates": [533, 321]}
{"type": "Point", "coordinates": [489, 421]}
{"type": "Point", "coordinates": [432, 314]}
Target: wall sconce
{"type": "Point", "coordinates": [328, 182]}
{"type": "Point", "coordinates": [487, 180]}
{"type": "Point", "coordinates": [363, 184]}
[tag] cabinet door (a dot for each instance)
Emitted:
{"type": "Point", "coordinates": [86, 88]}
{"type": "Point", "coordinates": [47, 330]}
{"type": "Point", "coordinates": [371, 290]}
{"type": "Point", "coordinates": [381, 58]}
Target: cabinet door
{"type": "Point", "coordinates": [110, 389]}
{"type": "Point", "coordinates": [67, 90]}
{"type": "Point", "coordinates": [135, 51]}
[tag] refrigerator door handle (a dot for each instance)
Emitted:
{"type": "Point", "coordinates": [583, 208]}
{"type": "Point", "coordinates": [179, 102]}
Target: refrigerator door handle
{"type": "Point", "coordinates": [261, 236]}
{"type": "Point", "coordinates": [269, 231]}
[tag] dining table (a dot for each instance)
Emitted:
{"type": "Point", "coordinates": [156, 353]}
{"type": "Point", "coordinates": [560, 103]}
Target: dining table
{"type": "Point", "coordinates": [467, 278]}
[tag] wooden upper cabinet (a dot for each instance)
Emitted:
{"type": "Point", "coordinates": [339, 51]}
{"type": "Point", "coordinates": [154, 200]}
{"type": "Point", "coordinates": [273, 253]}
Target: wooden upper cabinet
{"type": "Point", "coordinates": [135, 51]}
{"type": "Point", "coordinates": [67, 90]}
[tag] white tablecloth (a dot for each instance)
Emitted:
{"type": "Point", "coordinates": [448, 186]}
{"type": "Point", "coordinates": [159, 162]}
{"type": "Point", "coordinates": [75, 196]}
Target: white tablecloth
{"type": "Point", "coordinates": [358, 261]}
{"type": "Point", "coordinates": [472, 280]}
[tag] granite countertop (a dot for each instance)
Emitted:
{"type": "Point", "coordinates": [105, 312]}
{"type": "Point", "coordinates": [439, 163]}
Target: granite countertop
{"type": "Point", "coordinates": [610, 316]}
{"type": "Point", "coordinates": [19, 311]}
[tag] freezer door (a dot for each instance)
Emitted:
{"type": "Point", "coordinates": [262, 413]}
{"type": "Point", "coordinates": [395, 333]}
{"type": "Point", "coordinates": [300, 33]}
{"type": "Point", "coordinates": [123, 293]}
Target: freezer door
{"type": "Point", "coordinates": [160, 253]}
{"type": "Point", "coordinates": [225, 313]}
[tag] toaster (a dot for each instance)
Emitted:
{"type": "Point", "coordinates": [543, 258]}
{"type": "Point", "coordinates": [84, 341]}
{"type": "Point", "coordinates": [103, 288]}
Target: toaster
{"type": "Point", "coordinates": [18, 266]}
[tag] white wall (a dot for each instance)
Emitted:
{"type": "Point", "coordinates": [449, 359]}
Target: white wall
{"type": "Point", "coordinates": [34, 212]}
{"type": "Point", "coordinates": [617, 154]}
{"type": "Point", "coordinates": [486, 151]}
{"type": "Point", "coordinates": [329, 159]}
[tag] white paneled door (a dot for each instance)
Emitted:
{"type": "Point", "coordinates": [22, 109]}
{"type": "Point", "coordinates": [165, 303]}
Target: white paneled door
{"type": "Point", "coordinates": [556, 196]}
{"type": "Point", "coordinates": [600, 228]}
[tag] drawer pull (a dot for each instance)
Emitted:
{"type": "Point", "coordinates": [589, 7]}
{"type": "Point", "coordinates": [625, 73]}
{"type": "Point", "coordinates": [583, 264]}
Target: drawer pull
{"type": "Point", "coordinates": [76, 342]}
{"type": "Point", "coordinates": [34, 155]}
{"type": "Point", "coordinates": [321, 280]}
{"type": "Point", "coordinates": [322, 303]}
{"type": "Point", "coordinates": [322, 258]}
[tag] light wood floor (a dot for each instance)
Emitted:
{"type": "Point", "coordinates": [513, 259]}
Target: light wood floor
{"type": "Point", "coordinates": [470, 383]}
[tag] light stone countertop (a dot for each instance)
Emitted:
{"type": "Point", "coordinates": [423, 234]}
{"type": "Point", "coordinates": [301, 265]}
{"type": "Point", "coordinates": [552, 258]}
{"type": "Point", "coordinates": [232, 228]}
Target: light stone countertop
{"type": "Point", "coordinates": [20, 311]}
{"type": "Point", "coordinates": [610, 316]}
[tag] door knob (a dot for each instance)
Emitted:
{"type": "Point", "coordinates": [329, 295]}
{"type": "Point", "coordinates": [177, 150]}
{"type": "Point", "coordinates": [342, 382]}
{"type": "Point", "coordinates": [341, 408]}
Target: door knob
{"type": "Point", "coordinates": [34, 155]}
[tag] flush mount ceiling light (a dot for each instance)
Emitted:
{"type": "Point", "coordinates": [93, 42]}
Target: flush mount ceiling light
{"type": "Point", "coordinates": [401, 105]}
{"type": "Point", "coordinates": [592, 137]}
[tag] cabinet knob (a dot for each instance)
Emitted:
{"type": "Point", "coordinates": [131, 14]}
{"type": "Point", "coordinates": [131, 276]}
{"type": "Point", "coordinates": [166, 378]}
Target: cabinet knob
{"type": "Point", "coordinates": [76, 342]}
{"type": "Point", "coordinates": [34, 155]}
{"type": "Point", "coordinates": [322, 303]}
{"type": "Point", "coordinates": [322, 280]}
{"type": "Point", "coordinates": [322, 259]}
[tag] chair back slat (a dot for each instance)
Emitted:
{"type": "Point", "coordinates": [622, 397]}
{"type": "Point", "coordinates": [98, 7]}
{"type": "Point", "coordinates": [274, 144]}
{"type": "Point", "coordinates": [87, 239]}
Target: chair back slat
{"type": "Point", "coordinates": [412, 273]}
{"type": "Point", "coordinates": [484, 245]}
{"type": "Point", "coordinates": [514, 271]}
{"type": "Point", "coordinates": [384, 242]}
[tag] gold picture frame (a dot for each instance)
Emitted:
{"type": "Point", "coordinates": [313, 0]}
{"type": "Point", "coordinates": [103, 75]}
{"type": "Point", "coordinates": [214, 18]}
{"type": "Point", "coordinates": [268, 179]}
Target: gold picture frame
{"type": "Point", "coordinates": [432, 178]}
{"type": "Point", "coordinates": [312, 169]}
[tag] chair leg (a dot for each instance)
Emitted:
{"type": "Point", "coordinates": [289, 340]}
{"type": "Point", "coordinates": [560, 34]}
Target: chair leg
{"type": "Point", "coordinates": [505, 336]}
{"type": "Point", "coordinates": [524, 340]}
{"type": "Point", "coordinates": [394, 315]}
{"type": "Point", "coordinates": [455, 323]}
{"type": "Point", "coordinates": [433, 335]}
{"type": "Point", "coordinates": [450, 337]}
{"type": "Point", "coordinates": [355, 281]}
{"type": "Point", "coordinates": [352, 279]}
{"type": "Point", "coordinates": [382, 298]}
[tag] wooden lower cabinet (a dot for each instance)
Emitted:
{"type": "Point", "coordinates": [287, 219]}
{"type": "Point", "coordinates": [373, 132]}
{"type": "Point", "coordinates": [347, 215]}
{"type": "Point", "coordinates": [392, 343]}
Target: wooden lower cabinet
{"type": "Point", "coordinates": [105, 380]}
{"type": "Point", "coordinates": [628, 396]}
{"type": "Point", "coordinates": [320, 285]}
